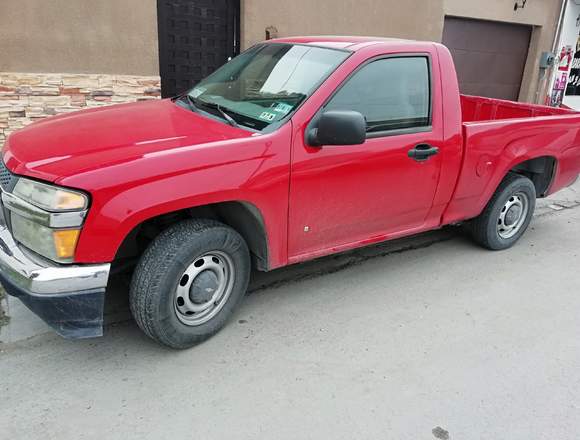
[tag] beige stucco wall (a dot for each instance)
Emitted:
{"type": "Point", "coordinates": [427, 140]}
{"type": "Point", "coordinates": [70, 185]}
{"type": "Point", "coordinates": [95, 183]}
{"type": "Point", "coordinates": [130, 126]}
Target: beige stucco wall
{"type": "Point", "coordinates": [415, 19]}
{"type": "Point", "coordinates": [79, 36]}
{"type": "Point", "coordinates": [418, 19]}
{"type": "Point", "coordinates": [120, 36]}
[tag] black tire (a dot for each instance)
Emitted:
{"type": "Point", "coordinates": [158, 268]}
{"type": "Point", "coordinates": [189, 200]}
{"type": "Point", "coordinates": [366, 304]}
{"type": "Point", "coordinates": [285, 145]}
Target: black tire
{"type": "Point", "coordinates": [484, 228]}
{"type": "Point", "coordinates": [161, 267]}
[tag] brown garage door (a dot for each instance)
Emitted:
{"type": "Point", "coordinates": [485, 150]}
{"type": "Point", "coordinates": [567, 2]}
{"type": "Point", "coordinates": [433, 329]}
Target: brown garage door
{"type": "Point", "coordinates": [489, 56]}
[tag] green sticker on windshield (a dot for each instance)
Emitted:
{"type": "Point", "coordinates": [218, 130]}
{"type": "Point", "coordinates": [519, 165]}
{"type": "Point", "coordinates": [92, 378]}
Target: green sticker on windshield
{"type": "Point", "coordinates": [197, 91]}
{"type": "Point", "coordinates": [283, 108]}
{"type": "Point", "coordinates": [267, 116]}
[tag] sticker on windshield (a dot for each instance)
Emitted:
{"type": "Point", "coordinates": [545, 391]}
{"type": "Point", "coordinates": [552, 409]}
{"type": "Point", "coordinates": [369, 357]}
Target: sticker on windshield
{"type": "Point", "coordinates": [197, 91]}
{"type": "Point", "coordinates": [283, 108]}
{"type": "Point", "coordinates": [267, 116]}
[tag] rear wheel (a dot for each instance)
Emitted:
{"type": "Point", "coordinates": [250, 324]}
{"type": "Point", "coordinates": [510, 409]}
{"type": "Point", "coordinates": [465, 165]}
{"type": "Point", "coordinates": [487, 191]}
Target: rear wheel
{"type": "Point", "coordinates": [189, 282]}
{"type": "Point", "coordinates": [507, 215]}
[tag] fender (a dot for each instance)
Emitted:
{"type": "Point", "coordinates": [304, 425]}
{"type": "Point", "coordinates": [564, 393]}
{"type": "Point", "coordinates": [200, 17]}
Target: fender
{"type": "Point", "coordinates": [567, 168]}
{"type": "Point", "coordinates": [255, 172]}
{"type": "Point", "coordinates": [492, 149]}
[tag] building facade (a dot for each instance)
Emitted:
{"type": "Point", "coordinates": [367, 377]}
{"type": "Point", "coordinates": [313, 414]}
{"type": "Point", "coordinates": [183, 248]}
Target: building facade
{"type": "Point", "coordinates": [565, 79]}
{"type": "Point", "coordinates": [64, 55]}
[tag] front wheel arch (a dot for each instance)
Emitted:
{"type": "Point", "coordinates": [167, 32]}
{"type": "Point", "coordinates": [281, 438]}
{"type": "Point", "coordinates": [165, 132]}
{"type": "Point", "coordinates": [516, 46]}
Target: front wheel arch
{"type": "Point", "coordinates": [157, 285]}
{"type": "Point", "coordinates": [242, 216]}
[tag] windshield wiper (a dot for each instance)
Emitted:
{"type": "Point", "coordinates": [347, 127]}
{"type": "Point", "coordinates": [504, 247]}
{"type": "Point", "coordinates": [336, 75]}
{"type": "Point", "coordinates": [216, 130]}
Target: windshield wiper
{"type": "Point", "coordinates": [188, 100]}
{"type": "Point", "coordinates": [227, 117]}
{"type": "Point", "coordinates": [222, 111]}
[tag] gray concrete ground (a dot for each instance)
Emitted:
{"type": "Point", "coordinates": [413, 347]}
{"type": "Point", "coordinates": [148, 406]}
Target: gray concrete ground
{"type": "Point", "coordinates": [445, 340]}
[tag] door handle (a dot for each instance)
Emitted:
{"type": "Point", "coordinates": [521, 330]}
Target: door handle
{"type": "Point", "coordinates": [422, 152]}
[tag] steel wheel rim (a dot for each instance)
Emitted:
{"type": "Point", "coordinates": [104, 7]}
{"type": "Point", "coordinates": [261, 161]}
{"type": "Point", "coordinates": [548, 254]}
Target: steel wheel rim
{"type": "Point", "coordinates": [513, 215]}
{"type": "Point", "coordinates": [204, 288]}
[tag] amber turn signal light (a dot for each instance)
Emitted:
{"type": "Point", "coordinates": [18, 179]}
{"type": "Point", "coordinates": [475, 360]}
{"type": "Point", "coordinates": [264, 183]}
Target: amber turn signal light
{"type": "Point", "coordinates": [65, 242]}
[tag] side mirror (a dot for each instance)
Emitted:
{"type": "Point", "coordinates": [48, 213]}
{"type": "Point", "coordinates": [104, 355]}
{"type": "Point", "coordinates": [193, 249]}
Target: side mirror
{"type": "Point", "coordinates": [339, 127]}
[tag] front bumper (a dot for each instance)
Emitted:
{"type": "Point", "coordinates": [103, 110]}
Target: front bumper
{"type": "Point", "coordinates": [68, 298]}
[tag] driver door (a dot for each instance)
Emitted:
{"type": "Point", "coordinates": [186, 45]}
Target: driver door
{"type": "Point", "coordinates": [345, 196]}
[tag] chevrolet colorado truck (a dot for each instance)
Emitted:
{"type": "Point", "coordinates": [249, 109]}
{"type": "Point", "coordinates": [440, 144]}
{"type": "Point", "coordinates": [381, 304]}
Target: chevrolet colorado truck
{"type": "Point", "coordinates": [295, 149]}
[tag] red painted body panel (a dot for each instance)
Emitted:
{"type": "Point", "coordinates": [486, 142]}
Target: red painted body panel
{"type": "Point", "coordinates": [477, 109]}
{"type": "Point", "coordinates": [75, 143]}
{"type": "Point", "coordinates": [347, 195]}
{"type": "Point", "coordinates": [142, 160]}
{"type": "Point", "coordinates": [500, 134]}
{"type": "Point", "coordinates": [139, 161]}
{"type": "Point", "coordinates": [500, 145]}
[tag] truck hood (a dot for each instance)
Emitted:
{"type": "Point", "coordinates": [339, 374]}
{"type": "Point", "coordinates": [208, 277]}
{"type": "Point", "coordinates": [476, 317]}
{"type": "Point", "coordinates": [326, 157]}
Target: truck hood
{"type": "Point", "coordinates": [73, 143]}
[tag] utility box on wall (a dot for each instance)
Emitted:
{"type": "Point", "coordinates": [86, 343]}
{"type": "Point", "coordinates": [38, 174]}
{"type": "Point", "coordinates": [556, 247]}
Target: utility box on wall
{"type": "Point", "coordinates": [547, 60]}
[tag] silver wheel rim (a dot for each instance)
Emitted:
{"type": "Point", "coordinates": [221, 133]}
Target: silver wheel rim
{"type": "Point", "coordinates": [513, 215]}
{"type": "Point", "coordinates": [204, 288]}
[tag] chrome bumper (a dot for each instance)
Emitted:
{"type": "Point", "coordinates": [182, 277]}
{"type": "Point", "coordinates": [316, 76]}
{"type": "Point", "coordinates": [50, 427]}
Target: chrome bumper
{"type": "Point", "coordinates": [68, 298]}
{"type": "Point", "coordinates": [37, 278]}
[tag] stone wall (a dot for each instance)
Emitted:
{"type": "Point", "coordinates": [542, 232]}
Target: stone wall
{"type": "Point", "coordinates": [28, 97]}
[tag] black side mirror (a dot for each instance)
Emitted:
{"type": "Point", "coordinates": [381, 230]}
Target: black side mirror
{"type": "Point", "coordinates": [339, 127]}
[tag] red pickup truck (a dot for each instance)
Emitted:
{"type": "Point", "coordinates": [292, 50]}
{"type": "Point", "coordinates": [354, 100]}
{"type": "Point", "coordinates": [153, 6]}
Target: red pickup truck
{"type": "Point", "coordinates": [295, 149]}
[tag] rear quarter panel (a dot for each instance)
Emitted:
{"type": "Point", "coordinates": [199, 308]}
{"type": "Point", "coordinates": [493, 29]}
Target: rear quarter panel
{"type": "Point", "coordinates": [493, 148]}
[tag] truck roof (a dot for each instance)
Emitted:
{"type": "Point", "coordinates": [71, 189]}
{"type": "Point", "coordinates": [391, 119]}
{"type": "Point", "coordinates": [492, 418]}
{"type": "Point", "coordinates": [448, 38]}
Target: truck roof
{"type": "Point", "coordinates": [352, 43]}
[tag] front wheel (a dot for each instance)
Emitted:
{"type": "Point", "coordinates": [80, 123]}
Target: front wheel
{"type": "Point", "coordinates": [507, 215]}
{"type": "Point", "coordinates": [189, 282]}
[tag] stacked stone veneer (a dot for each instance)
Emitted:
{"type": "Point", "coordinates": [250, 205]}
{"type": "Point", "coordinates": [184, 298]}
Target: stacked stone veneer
{"type": "Point", "coordinates": [28, 97]}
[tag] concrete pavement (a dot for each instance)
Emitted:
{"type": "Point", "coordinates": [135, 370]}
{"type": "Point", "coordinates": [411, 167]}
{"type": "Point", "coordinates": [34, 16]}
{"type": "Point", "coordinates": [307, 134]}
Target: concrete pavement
{"type": "Point", "coordinates": [445, 341]}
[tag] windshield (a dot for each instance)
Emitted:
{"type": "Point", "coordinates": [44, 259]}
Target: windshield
{"type": "Point", "coordinates": [265, 84]}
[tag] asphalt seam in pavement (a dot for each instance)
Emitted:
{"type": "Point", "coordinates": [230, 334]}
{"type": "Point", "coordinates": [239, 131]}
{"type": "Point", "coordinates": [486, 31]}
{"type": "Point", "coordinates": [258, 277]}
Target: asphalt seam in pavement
{"type": "Point", "coordinates": [564, 205]}
{"type": "Point", "coordinates": [4, 318]}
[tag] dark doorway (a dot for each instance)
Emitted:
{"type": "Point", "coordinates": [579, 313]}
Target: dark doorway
{"type": "Point", "coordinates": [489, 56]}
{"type": "Point", "coordinates": [195, 38]}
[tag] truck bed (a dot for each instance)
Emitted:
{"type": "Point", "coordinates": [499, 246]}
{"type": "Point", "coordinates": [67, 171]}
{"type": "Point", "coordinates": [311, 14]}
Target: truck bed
{"type": "Point", "coordinates": [480, 109]}
{"type": "Point", "coordinates": [498, 135]}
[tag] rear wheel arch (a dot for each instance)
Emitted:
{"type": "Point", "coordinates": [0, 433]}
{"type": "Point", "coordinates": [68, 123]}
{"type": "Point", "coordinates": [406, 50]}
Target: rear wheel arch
{"type": "Point", "coordinates": [507, 215]}
{"type": "Point", "coordinates": [540, 170]}
{"type": "Point", "coordinates": [242, 216]}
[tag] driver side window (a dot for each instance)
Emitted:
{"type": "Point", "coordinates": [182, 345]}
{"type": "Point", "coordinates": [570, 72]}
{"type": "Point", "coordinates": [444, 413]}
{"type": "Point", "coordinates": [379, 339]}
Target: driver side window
{"type": "Point", "coordinates": [391, 93]}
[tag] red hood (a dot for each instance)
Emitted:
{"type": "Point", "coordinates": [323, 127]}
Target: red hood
{"type": "Point", "coordinates": [77, 142]}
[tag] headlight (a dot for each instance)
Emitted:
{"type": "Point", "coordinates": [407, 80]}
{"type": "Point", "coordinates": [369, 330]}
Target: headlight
{"type": "Point", "coordinates": [55, 244]}
{"type": "Point", "coordinates": [51, 198]}
{"type": "Point", "coordinates": [46, 219]}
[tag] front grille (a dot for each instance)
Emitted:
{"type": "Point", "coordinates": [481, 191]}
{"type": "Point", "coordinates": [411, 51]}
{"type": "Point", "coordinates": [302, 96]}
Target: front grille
{"type": "Point", "coordinates": [5, 175]}
{"type": "Point", "coordinates": [7, 179]}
